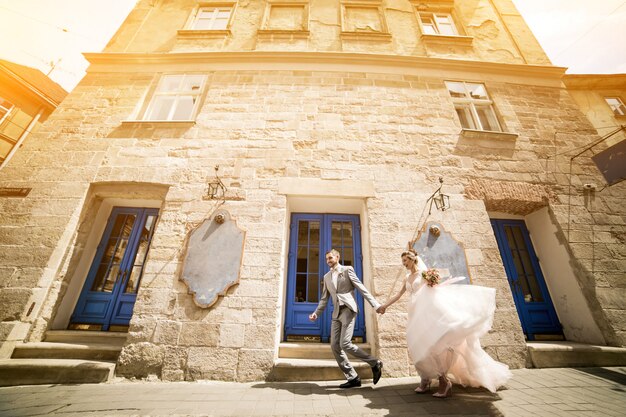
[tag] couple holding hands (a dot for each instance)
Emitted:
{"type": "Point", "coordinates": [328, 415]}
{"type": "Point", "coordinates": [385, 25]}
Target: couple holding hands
{"type": "Point", "coordinates": [443, 329]}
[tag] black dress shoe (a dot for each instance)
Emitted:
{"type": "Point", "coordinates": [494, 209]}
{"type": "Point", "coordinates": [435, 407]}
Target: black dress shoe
{"type": "Point", "coordinates": [354, 382]}
{"type": "Point", "coordinates": [377, 371]}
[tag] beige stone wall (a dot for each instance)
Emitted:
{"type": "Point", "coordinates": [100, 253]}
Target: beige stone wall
{"type": "Point", "coordinates": [397, 131]}
{"type": "Point", "coordinates": [600, 230]}
{"type": "Point", "coordinates": [496, 32]}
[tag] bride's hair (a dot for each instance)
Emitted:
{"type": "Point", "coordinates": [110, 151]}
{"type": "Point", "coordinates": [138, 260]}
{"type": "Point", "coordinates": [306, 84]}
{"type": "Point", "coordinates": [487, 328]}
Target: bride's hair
{"type": "Point", "coordinates": [411, 254]}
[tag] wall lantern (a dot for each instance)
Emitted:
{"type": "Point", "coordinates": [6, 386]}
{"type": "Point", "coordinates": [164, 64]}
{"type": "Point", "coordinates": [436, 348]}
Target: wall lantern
{"type": "Point", "coordinates": [441, 200]}
{"type": "Point", "coordinates": [216, 187]}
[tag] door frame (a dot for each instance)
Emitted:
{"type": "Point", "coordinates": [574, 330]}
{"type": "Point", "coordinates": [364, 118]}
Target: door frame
{"type": "Point", "coordinates": [346, 197]}
{"type": "Point", "coordinates": [119, 305]}
{"type": "Point", "coordinates": [524, 309]}
{"type": "Point", "coordinates": [99, 211]}
{"type": "Point", "coordinates": [291, 308]}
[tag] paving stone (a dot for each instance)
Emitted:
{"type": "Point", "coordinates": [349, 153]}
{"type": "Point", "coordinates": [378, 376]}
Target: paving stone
{"type": "Point", "coordinates": [596, 392]}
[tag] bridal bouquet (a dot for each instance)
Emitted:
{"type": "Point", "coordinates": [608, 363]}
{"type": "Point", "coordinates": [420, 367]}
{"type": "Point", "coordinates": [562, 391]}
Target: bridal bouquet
{"type": "Point", "coordinates": [431, 276]}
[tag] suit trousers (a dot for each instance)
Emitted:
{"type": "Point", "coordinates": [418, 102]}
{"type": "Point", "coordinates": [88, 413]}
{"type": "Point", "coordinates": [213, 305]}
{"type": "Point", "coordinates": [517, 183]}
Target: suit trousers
{"type": "Point", "coordinates": [341, 331]}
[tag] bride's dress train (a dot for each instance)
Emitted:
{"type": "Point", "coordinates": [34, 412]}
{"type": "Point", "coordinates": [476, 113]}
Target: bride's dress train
{"type": "Point", "coordinates": [444, 325]}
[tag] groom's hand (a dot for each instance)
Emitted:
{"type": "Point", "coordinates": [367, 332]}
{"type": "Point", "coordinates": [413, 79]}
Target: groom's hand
{"type": "Point", "coordinates": [313, 317]}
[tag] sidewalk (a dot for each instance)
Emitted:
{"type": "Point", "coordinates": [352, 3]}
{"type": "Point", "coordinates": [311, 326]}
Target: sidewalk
{"type": "Point", "coordinates": [532, 392]}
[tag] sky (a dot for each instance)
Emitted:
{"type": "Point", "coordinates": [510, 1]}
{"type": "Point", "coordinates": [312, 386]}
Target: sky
{"type": "Point", "coordinates": [587, 36]}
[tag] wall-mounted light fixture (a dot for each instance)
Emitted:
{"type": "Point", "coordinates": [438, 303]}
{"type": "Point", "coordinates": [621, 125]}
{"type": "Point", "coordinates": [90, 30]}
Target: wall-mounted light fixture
{"type": "Point", "coordinates": [441, 200]}
{"type": "Point", "coordinates": [216, 190]}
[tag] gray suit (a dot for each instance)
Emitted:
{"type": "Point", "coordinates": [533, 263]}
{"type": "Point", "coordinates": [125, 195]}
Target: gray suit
{"type": "Point", "coordinates": [344, 316]}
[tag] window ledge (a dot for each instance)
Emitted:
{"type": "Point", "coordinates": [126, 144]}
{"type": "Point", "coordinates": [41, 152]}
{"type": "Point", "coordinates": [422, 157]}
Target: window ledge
{"type": "Point", "coordinates": [158, 123]}
{"type": "Point", "coordinates": [488, 134]}
{"type": "Point", "coordinates": [277, 33]}
{"type": "Point", "coordinates": [366, 36]}
{"type": "Point", "coordinates": [448, 39]}
{"type": "Point", "coordinates": [619, 116]}
{"type": "Point", "coordinates": [202, 34]}
{"type": "Point", "coordinates": [438, 3]}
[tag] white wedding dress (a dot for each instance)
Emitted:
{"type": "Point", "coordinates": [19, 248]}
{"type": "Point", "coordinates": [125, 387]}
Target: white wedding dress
{"type": "Point", "coordinates": [444, 326]}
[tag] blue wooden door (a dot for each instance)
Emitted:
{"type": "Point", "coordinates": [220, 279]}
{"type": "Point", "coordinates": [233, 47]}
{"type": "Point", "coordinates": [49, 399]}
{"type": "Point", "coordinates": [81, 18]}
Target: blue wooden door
{"type": "Point", "coordinates": [311, 236]}
{"type": "Point", "coordinates": [530, 293]}
{"type": "Point", "coordinates": [110, 290]}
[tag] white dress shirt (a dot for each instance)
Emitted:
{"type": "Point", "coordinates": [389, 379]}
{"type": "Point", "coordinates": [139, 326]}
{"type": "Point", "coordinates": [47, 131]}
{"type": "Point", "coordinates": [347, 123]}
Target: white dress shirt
{"type": "Point", "coordinates": [335, 277]}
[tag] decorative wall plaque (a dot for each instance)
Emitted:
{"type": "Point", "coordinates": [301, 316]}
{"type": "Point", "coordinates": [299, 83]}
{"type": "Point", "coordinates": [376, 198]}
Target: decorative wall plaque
{"type": "Point", "coordinates": [438, 249]}
{"type": "Point", "coordinates": [213, 258]}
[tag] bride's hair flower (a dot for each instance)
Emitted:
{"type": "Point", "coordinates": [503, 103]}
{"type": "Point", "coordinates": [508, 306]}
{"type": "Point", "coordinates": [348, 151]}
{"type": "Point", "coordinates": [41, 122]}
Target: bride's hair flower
{"type": "Point", "coordinates": [431, 276]}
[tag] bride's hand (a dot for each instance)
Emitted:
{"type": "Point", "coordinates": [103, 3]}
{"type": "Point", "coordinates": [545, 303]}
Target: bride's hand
{"type": "Point", "coordinates": [381, 309]}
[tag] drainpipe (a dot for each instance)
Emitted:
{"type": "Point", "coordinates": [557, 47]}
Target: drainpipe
{"type": "Point", "coordinates": [22, 137]}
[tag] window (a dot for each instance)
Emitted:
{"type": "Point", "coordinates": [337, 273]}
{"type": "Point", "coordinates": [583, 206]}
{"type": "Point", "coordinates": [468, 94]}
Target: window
{"type": "Point", "coordinates": [616, 104]}
{"type": "Point", "coordinates": [5, 108]}
{"type": "Point", "coordinates": [473, 106]}
{"type": "Point", "coordinates": [438, 24]}
{"type": "Point", "coordinates": [176, 98]}
{"type": "Point", "coordinates": [211, 18]}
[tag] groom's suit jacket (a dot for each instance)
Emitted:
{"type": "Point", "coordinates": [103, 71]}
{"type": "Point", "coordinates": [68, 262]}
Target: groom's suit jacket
{"type": "Point", "coordinates": [347, 282]}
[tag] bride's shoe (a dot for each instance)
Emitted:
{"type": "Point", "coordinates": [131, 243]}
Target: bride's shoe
{"type": "Point", "coordinates": [446, 393]}
{"type": "Point", "coordinates": [423, 387]}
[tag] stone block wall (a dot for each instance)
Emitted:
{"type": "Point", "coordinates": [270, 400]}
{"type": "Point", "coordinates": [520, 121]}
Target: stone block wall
{"type": "Point", "coordinates": [398, 131]}
{"type": "Point", "coordinates": [495, 30]}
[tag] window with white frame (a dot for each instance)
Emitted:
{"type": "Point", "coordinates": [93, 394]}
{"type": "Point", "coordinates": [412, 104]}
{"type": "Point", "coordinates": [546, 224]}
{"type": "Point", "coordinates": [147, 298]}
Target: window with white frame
{"type": "Point", "coordinates": [473, 106]}
{"type": "Point", "coordinates": [176, 97]}
{"type": "Point", "coordinates": [211, 18]}
{"type": "Point", "coordinates": [5, 108]}
{"type": "Point", "coordinates": [617, 105]}
{"type": "Point", "coordinates": [438, 24]}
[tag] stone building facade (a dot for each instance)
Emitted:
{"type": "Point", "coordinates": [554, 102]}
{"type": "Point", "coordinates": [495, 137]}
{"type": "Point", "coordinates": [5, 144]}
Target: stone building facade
{"type": "Point", "coordinates": [312, 110]}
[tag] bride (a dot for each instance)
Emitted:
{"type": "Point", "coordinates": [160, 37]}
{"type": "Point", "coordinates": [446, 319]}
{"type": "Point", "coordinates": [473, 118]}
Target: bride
{"type": "Point", "coordinates": [443, 329]}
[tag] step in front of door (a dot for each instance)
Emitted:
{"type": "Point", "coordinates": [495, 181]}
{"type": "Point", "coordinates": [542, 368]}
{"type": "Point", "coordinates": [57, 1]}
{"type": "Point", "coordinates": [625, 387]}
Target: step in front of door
{"type": "Point", "coordinates": [292, 350]}
{"type": "Point", "coordinates": [571, 354]}
{"type": "Point", "coordinates": [289, 369]}
{"type": "Point", "coordinates": [84, 336]}
{"type": "Point", "coordinates": [53, 371]}
{"type": "Point", "coordinates": [54, 350]}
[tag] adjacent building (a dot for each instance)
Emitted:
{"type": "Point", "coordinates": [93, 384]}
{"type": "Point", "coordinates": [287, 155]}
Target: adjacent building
{"type": "Point", "coordinates": [27, 97]}
{"type": "Point", "coordinates": [185, 192]}
{"type": "Point", "coordinates": [601, 97]}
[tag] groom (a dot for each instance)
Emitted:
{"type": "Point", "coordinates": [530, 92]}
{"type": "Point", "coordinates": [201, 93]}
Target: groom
{"type": "Point", "coordinates": [340, 283]}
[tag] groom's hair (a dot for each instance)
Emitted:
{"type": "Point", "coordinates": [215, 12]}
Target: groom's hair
{"type": "Point", "coordinates": [334, 252]}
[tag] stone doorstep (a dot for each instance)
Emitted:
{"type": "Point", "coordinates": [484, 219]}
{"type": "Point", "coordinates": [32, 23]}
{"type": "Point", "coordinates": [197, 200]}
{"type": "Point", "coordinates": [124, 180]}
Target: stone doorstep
{"type": "Point", "coordinates": [54, 371]}
{"type": "Point", "coordinates": [572, 354]}
{"type": "Point", "coordinates": [291, 369]}
{"type": "Point", "coordinates": [53, 350]}
{"type": "Point", "coordinates": [296, 350]}
{"type": "Point", "coordinates": [84, 336]}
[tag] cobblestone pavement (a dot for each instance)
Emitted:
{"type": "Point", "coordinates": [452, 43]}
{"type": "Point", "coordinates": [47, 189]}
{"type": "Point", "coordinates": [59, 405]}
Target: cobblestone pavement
{"type": "Point", "coordinates": [532, 392]}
